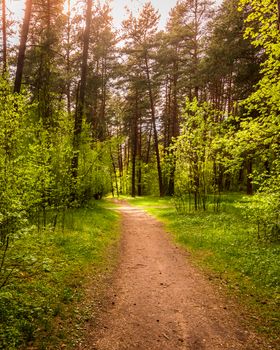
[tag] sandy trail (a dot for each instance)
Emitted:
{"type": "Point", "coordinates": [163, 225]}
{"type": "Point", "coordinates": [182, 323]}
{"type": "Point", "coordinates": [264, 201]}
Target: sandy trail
{"type": "Point", "coordinates": [159, 301]}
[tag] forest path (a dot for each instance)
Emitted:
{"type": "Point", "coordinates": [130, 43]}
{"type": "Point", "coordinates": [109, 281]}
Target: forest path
{"type": "Point", "coordinates": [158, 300]}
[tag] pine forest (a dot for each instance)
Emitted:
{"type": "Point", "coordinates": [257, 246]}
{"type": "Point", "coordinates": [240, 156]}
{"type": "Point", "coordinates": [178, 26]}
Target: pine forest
{"type": "Point", "coordinates": [181, 120]}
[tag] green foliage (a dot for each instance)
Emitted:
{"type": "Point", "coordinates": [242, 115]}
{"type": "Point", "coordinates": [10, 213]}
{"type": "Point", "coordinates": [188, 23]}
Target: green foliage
{"type": "Point", "coordinates": [263, 131]}
{"type": "Point", "coordinates": [264, 207]}
{"type": "Point", "coordinates": [50, 153]}
{"type": "Point", "coordinates": [262, 28]}
{"type": "Point", "coordinates": [224, 144]}
{"type": "Point", "coordinates": [41, 271]}
{"type": "Point", "coordinates": [95, 174]}
{"type": "Point", "coordinates": [49, 284]}
{"type": "Point", "coordinates": [263, 210]}
{"type": "Point", "coordinates": [196, 156]}
{"type": "Point", "coordinates": [15, 172]}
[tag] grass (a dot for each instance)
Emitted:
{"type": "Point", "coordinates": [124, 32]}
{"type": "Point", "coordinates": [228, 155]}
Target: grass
{"type": "Point", "coordinates": [43, 305]}
{"type": "Point", "coordinates": [226, 246]}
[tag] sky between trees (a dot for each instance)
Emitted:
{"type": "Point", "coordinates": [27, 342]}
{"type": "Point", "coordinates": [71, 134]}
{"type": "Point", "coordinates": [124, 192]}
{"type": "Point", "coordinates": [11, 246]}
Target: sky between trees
{"type": "Point", "coordinates": [119, 12]}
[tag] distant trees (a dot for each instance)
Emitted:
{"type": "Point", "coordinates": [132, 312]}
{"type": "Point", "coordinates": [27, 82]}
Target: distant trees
{"type": "Point", "coordinates": [197, 156]}
{"type": "Point", "coordinates": [105, 111]}
{"type": "Point", "coordinates": [179, 57]}
{"type": "Point", "coordinates": [140, 35]}
{"type": "Point", "coordinates": [231, 65]}
{"type": "Point", "coordinates": [189, 111]}
{"type": "Point", "coordinates": [231, 69]}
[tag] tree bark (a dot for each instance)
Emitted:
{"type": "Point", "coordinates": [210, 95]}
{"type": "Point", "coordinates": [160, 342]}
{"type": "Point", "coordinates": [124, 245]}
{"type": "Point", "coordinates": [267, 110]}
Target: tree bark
{"type": "Point", "coordinates": [249, 178]}
{"type": "Point", "coordinates": [82, 92]}
{"type": "Point", "coordinates": [102, 113]}
{"type": "Point", "coordinates": [139, 177]}
{"type": "Point", "coordinates": [68, 83]}
{"type": "Point", "coordinates": [134, 147]}
{"type": "Point", "coordinates": [153, 114]}
{"type": "Point", "coordinates": [4, 36]}
{"type": "Point", "coordinates": [133, 171]}
{"type": "Point", "coordinates": [278, 5]}
{"type": "Point", "coordinates": [22, 46]}
{"type": "Point", "coordinates": [175, 128]}
{"type": "Point", "coordinates": [120, 165]}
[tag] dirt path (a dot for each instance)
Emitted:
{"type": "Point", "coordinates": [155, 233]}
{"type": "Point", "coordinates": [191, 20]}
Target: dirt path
{"type": "Point", "coordinates": [159, 301]}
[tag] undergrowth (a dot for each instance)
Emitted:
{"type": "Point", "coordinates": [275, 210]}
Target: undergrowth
{"type": "Point", "coordinates": [39, 306]}
{"type": "Point", "coordinates": [227, 246]}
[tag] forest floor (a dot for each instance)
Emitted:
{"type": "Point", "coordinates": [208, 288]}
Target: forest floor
{"type": "Point", "coordinates": [159, 300]}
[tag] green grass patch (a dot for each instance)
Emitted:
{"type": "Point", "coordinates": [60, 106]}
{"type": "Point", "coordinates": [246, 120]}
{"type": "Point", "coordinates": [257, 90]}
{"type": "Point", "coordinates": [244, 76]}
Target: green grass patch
{"type": "Point", "coordinates": [226, 245]}
{"type": "Point", "coordinates": [40, 304]}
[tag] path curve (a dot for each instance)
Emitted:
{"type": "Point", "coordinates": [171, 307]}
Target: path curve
{"type": "Point", "coordinates": [159, 301]}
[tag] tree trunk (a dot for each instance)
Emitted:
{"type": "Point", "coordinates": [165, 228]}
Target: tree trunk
{"type": "Point", "coordinates": [278, 5]}
{"type": "Point", "coordinates": [167, 114]}
{"type": "Point", "coordinates": [133, 171]}
{"type": "Point", "coordinates": [115, 174]}
{"type": "Point", "coordinates": [139, 177]}
{"type": "Point", "coordinates": [82, 93]}
{"type": "Point", "coordinates": [153, 114]}
{"type": "Point", "coordinates": [4, 36]}
{"type": "Point", "coordinates": [249, 178]}
{"type": "Point", "coordinates": [120, 165]}
{"type": "Point", "coordinates": [134, 147]}
{"type": "Point", "coordinates": [149, 145]}
{"type": "Point", "coordinates": [196, 186]}
{"type": "Point", "coordinates": [175, 129]}
{"type": "Point", "coordinates": [68, 83]}
{"type": "Point", "coordinates": [196, 49]}
{"type": "Point", "coordinates": [102, 114]}
{"type": "Point", "coordinates": [22, 45]}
